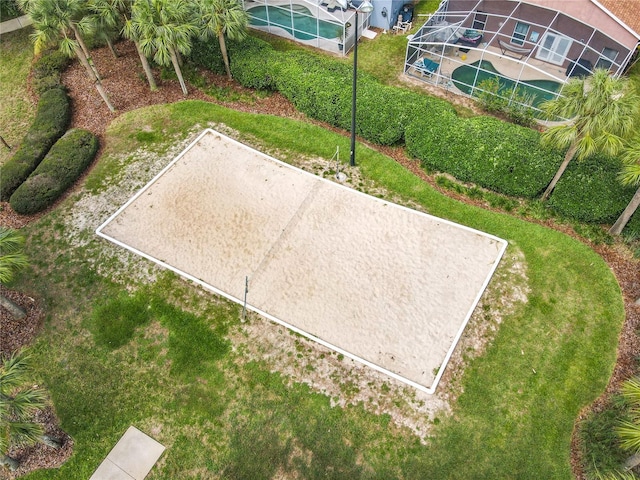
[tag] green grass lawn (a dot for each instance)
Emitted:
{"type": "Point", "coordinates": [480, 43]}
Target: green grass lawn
{"type": "Point", "coordinates": [16, 109]}
{"type": "Point", "coordinates": [384, 57]}
{"type": "Point", "coordinates": [126, 343]}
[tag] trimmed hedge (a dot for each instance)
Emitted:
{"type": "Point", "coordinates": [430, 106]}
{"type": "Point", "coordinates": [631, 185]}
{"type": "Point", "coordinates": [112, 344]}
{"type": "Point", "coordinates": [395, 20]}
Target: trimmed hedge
{"type": "Point", "coordinates": [321, 88]}
{"type": "Point", "coordinates": [633, 227]}
{"type": "Point", "coordinates": [62, 166]}
{"type": "Point", "coordinates": [483, 150]}
{"type": "Point", "coordinates": [47, 71]}
{"type": "Point", "coordinates": [51, 121]}
{"type": "Point", "coordinates": [207, 54]}
{"type": "Point", "coordinates": [8, 10]}
{"type": "Point", "coordinates": [254, 63]}
{"type": "Point", "coordinates": [318, 87]}
{"type": "Point", "coordinates": [384, 113]}
{"type": "Point", "coordinates": [589, 191]}
{"type": "Point", "coordinates": [496, 155]}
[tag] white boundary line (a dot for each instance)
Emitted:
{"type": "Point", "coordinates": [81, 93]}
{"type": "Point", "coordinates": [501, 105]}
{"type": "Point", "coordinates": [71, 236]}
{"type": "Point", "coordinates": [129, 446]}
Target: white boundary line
{"type": "Point", "coordinates": [429, 390]}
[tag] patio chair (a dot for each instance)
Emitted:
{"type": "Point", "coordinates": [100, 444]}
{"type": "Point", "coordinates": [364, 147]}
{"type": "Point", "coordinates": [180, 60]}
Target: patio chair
{"type": "Point", "coordinates": [402, 27]}
{"type": "Point", "coordinates": [426, 67]}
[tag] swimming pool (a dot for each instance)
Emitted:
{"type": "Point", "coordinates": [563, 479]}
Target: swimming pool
{"type": "Point", "coordinates": [464, 78]}
{"type": "Point", "coordinates": [299, 23]}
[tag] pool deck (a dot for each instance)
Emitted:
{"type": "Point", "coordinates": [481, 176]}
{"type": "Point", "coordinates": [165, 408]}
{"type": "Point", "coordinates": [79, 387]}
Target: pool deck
{"type": "Point", "coordinates": [532, 70]}
{"type": "Point", "coordinates": [511, 68]}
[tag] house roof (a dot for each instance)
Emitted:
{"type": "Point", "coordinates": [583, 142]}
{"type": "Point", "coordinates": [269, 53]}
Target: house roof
{"type": "Point", "coordinates": [597, 15]}
{"type": "Point", "coordinates": [626, 11]}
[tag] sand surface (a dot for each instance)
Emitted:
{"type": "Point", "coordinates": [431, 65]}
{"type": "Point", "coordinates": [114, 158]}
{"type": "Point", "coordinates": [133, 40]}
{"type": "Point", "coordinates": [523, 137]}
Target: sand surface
{"type": "Point", "coordinates": [384, 284]}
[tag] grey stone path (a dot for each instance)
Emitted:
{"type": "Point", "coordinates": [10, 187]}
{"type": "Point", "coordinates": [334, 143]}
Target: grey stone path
{"type": "Point", "coordinates": [133, 457]}
{"type": "Point", "coordinates": [15, 24]}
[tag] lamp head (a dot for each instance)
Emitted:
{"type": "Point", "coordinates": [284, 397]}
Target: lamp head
{"type": "Point", "coordinates": [366, 7]}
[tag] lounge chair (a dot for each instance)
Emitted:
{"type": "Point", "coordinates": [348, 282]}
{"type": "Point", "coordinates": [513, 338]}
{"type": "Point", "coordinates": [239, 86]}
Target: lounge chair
{"type": "Point", "coordinates": [426, 67]}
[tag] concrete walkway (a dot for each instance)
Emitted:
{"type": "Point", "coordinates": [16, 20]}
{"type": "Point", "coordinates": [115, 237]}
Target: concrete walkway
{"type": "Point", "coordinates": [132, 458]}
{"type": "Point", "coordinates": [15, 24]}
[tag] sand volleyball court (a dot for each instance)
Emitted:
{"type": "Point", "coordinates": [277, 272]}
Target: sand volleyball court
{"type": "Point", "coordinates": [385, 285]}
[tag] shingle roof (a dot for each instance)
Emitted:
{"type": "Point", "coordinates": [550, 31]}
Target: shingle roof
{"type": "Point", "coordinates": [626, 10]}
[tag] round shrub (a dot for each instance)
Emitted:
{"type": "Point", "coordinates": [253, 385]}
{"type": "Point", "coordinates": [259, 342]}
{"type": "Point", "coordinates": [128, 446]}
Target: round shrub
{"type": "Point", "coordinates": [589, 191]}
{"type": "Point", "coordinates": [63, 165]}
{"type": "Point", "coordinates": [50, 123]}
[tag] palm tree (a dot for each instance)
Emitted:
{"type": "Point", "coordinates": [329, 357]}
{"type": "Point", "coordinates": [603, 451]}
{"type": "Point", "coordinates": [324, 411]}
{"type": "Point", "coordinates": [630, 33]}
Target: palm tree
{"type": "Point", "coordinates": [629, 431]}
{"type": "Point", "coordinates": [71, 13]}
{"type": "Point", "coordinates": [164, 29]}
{"type": "Point", "coordinates": [19, 400]}
{"type": "Point", "coordinates": [601, 110]}
{"type": "Point", "coordinates": [12, 259]}
{"type": "Point", "coordinates": [106, 22]}
{"type": "Point", "coordinates": [223, 18]}
{"type": "Point", "coordinates": [118, 13]}
{"type": "Point", "coordinates": [63, 22]}
{"type": "Point", "coordinates": [630, 175]}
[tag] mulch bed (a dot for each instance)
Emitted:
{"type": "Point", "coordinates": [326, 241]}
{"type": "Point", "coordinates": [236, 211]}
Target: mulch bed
{"type": "Point", "coordinates": [41, 456]}
{"type": "Point", "coordinates": [15, 334]}
{"type": "Point", "coordinates": [124, 80]}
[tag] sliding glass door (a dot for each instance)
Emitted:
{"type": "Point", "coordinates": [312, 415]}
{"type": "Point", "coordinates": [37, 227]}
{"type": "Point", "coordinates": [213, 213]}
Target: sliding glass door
{"type": "Point", "coordinates": [553, 48]}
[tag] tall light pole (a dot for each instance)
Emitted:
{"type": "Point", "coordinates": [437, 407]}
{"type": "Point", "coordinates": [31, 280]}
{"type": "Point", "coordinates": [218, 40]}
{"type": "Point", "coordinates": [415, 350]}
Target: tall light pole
{"type": "Point", "coordinates": [365, 7]}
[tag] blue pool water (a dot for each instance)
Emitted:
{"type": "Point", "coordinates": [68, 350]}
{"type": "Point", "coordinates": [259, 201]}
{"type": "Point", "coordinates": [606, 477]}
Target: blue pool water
{"type": "Point", "coordinates": [298, 23]}
{"type": "Point", "coordinates": [464, 77]}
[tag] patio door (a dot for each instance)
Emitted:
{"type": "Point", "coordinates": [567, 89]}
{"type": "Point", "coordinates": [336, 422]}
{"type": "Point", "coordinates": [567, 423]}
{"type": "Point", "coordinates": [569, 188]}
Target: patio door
{"type": "Point", "coordinates": [553, 48]}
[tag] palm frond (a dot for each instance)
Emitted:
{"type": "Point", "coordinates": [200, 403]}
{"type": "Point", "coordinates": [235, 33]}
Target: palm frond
{"type": "Point", "coordinates": [10, 264]}
{"type": "Point", "coordinates": [10, 240]}
{"type": "Point", "coordinates": [162, 25]}
{"type": "Point", "coordinates": [223, 16]}
{"type": "Point", "coordinates": [18, 402]}
{"type": "Point", "coordinates": [27, 401]}
{"type": "Point", "coordinates": [25, 433]}
{"type": "Point", "coordinates": [629, 433]}
{"type": "Point", "coordinates": [13, 371]}
{"type": "Point", "coordinates": [630, 174]}
{"type": "Point", "coordinates": [615, 475]}
{"type": "Point", "coordinates": [69, 46]}
{"type": "Point", "coordinates": [631, 390]}
{"type": "Point", "coordinates": [560, 136]}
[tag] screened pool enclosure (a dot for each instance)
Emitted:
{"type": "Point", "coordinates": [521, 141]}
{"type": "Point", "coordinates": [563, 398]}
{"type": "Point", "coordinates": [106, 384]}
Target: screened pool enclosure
{"type": "Point", "coordinates": [531, 49]}
{"type": "Point", "coordinates": [321, 23]}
